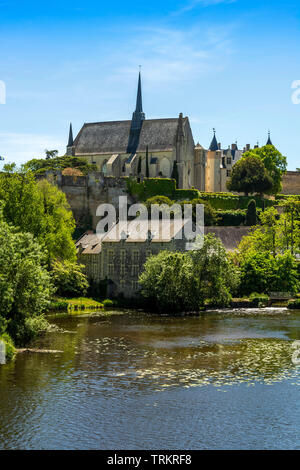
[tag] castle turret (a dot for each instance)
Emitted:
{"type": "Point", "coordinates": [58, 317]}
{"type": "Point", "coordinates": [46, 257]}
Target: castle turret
{"type": "Point", "coordinates": [269, 141]}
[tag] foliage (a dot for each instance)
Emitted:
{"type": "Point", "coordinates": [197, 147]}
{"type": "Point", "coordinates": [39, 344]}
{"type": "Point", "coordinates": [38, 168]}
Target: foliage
{"type": "Point", "coordinates": [231, 218]}
{"type": "Point", "coordinates": [262, 272]}
{"type": "Point", "coordinates": [39, 166]}
{"type": "Point", "coordinates": [108, 303]}
{"type": "Point", "coordinates": [158, 200]}
{"type": "Point", "coordinates": [139, 168]}
{"type": "Point", "coordinates": [147, 163]}
{"type": "Point", "coordinates": [175, 174]}
{"type": "Point", "coordinates": [294, 304]}
{"type": "Point", "coordinates": [69, 279]}
{"type": "Point", "coordinates": [176, 282]}
{"type": "Point", "coordinates": [251, 215]}
{"type": "Point", "coordinates": [10, 350]}
{"type": "Point", "coordinates": [25, 286]}
{"type": "Point", "coordinates": [39, 208]}
{"type": "Point", "coordinates": [274, 162]}
{"type": "Point", "coordinates": [51, 154]}
{"type": "Point", "coordinates": [289, 224]}
{"type": "Point", "coordinates": [249, 175]}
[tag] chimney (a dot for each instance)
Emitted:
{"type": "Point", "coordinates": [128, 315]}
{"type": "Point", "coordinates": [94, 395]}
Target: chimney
{"type": "Point", "coordinates": [233, 147]}
{"type": "Point", "coordinates": [219, 145]}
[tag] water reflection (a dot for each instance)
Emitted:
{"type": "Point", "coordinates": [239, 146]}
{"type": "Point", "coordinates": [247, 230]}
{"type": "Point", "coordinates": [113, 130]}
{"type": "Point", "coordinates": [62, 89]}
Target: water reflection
{"type": "Point", "coordinates": [109, 363]}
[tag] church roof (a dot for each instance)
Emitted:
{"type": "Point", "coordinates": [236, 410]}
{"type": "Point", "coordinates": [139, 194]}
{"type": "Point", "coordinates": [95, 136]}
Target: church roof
{"type": "Point", "coordinates": [113, 136]}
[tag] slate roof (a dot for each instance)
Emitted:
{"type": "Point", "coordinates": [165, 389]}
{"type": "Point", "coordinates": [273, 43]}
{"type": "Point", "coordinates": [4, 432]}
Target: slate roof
{"type": "Point", "coordinates": [89, 243]}
{"type": "Point", "coordinates": [164, 231]}
{"type": "Point", "coordinates": [113, 136]}
{"type": "Point", "coordinates": [214, 144]}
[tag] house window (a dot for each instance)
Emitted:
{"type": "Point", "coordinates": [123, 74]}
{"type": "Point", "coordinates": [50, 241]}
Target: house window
{"type": "Point", "coordinates": [228, 161]}
{"type": "Point", "coordinates": [122, 256]}
{"type": "Point", "coordinates": [122, 271]}
{"type": "Point", "coordinates": [135, 257]}
{"type": "Point", "coordinates": [110, 256]}
{"type": "Point", "coordinates": [228, 172]}
{"type": "Point", "coordinates": [135, 270]}
{"type": "Point", "coordinates": [135, 285]}
{"type": "Point", "coordinates": [122, 283]}
{"type": "Point", "coordinates": [110, 269]}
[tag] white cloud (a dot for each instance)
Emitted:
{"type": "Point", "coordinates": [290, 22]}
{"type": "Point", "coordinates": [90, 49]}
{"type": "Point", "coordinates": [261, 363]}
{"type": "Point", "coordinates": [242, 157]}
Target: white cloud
{"type": "Point", "coordinates": [204, 3]}
{"type": "Point", "coordinates": [173, 55]}
{"type": "Point", "coordinates": [19, 148]}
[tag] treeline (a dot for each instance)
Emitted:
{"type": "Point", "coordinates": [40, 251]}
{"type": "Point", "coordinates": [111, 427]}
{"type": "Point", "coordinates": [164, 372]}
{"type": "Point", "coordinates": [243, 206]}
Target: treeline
{"type": "Point", "coordinates": [37, 254]}
{"type": "Point", "coordinates": [266, 261]}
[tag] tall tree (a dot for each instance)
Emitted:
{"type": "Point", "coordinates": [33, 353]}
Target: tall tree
{"type": "Point", "coordinates": [175, 174]}
{"type": "Point", "coordinates": [251, 216]}
{"type": "Point", "coordinates": [274, 162]}
{"type": "Point", "coordinates": [249, 175]}
{"type": "Point", "coordinates": [147, 162]}
{"type": "Point", "coordinates": [39, 208]}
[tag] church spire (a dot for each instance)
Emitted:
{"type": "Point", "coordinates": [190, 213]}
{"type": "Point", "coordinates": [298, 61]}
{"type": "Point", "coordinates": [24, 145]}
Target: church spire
{"type": "Point", "coordinates": [70, 146]}
{"type": "Point", "coordinates": [214, 144]}
{"type": "Point", "coordinates": [71, 140]}
{"type": "Point", "coordinates": [138, 118]}
{"type": "Point", "coordinates": [269, 141]}
{"type": "Point", "coordinates": [139, 104]}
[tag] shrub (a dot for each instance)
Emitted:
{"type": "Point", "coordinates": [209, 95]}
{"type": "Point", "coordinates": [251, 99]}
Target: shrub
{"type": "Point", "coordinates": [251, 216]}
{"type": "Point", "coordinates": [262, 272]}
{"type": "Point", "coordinates": [229, 218]}
{"type": "Point", "coordinates": [107, 303]}
{"type": "Point", "coordinates": [25, 286]}
{"type": "Point", "coordinates": [69, 279]}
{"type": "Point", "coordinates": [10, 350]}
{"type": "Point", "coordinates": [294, 304]}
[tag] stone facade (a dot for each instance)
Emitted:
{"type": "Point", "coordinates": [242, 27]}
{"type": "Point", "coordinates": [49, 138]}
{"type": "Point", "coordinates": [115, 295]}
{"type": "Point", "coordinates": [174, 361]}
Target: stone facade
{"type": "Point", "coordinates": [120, 260]}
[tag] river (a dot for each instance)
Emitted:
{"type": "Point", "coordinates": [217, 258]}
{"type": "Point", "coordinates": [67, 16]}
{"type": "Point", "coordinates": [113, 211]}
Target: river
{"type": "Point", "coordinates": [131, 380]}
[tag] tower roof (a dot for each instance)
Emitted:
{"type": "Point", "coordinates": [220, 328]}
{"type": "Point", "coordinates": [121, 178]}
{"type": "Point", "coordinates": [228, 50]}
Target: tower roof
{"type": "Point", "coordinates": [269, 141]}
{"type": "Point", "coordinates": [214, 144]}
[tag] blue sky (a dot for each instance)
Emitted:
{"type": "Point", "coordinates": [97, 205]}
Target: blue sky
{"type": "Point", "coordinates": [226, 64]}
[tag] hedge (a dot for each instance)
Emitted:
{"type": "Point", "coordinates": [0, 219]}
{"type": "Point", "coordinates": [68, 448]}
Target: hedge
{"type": "Point", "coordinates": [150, 187]}
{"type": "Point", "coordinates": [231, 218]}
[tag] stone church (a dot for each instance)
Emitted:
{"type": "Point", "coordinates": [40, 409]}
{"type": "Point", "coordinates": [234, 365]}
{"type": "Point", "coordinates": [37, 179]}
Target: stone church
{"type": "Point", "coordinates": [152, 147]}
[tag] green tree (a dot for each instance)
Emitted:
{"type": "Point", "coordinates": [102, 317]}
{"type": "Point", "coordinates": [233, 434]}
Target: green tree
{"type": "Point", "coordinates": [25, 286]}
{"type": "Point", "coordinates": [274, 162]}
{"type": "Point", "coordinates": [147, 162]}
{"type": "Point", "coordinates": [175, 174]}
{"type": "Point", "coordinates": [251, 216]}
{"type": "Point", "coordinates": [177, 282]}
{"type": "Point", "coordinates": [39, 208]}
{"type": "Point", "coordinates": [139, 168]}
{"type": "Point", "coordinates": [290, 224]}
{"type": "Point", "coordinates": [261, 272]}
{"type": "Point", "coordinates": [68, 279]}
{"type": "Point", "coordinates": [249, 175]}
{"type": "Point", "coordinates": [51, 154]}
